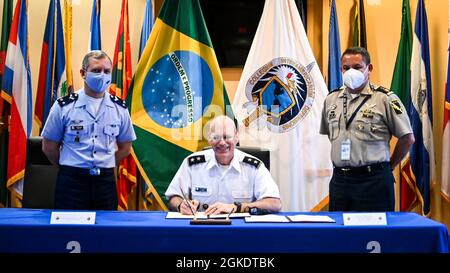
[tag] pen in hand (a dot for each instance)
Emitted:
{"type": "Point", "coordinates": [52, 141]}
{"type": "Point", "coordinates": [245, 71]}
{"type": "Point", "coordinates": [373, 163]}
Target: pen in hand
{"type": "Point", "coordinates": [188, 203]}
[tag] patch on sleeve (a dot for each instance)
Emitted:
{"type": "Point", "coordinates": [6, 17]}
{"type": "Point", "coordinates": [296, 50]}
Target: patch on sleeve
{"type": "Point", "coordinates": [395, 105]}
{"type": "Point", "coordinates": [252, 161]}
{"type": "Point", "coordinates": [196, 159]}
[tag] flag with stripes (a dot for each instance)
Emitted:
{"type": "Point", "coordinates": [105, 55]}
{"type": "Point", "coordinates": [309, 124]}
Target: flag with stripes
{"type": "Point", "coordinates": [401, 86]}
{"type": "Point", "coordinates": [445, 181]}
{"type": "Point", "coordinates": [52, 72]}
{"type": "Point", "coordinates": [419, 170]}
{"type": "Point", "coordinates": [16, 89]}
{"type": "Point", "coordinates": [120, 83]}
{"type": "Point", "coordinates": [4, 107]}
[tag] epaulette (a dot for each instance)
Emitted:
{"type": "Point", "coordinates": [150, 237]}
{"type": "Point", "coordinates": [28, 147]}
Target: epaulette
{"type": "Point", "coordinates": [66, 100]}
{"type": "Point", "coordinates": [383, 90]}
{"type": "Point", "coordinates": [336, 90]}
{"type": "Point", "coordinates": [252, 161]}
{"type": "Point", "coordinates": [119, 101]}
{"type": "Point", "coordinates": [196, 159]}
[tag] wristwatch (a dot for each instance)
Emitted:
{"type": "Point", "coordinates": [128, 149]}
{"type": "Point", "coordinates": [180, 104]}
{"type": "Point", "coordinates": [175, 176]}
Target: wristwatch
{"type": "Point", "coordinates": [238, 206]}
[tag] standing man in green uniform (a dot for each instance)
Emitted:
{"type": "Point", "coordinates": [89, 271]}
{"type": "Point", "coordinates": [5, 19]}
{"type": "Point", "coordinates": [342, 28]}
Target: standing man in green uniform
{"type": "Point", "coordinates": [359, 119]}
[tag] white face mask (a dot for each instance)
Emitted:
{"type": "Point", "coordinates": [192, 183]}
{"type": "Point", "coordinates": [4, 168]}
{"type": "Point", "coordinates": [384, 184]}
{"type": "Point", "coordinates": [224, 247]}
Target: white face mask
{"type": "Point", "coordinates": [354, 79]}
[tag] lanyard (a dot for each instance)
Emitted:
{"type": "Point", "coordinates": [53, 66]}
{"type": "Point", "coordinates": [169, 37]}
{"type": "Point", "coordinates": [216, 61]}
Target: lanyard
{"type": "Point", "coordinates": [348, 122]}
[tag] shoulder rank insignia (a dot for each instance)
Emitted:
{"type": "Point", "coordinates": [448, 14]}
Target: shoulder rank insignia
{"type": "Point", "coordinates": [395, 105]}
{"type": "Point", "coordinates": [196, 159]}
{"type": "Point", "coordinates": [252, 161]}
{"type": "Point", "coordinates": [66, 100]}
{"type": "Point", "coordinates": [119, 101]}
{"type": "Point", "coordinates": [383, 90]}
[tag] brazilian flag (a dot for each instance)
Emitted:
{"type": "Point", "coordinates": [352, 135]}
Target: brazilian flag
{"type": "Point", "coordinates": [177, 88]}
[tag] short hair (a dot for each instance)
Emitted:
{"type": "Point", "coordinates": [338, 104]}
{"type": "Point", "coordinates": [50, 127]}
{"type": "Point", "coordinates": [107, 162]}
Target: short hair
{"type": "Point", "coordinates": [221, 119]}
{"type": "Point", "coordinates": [358, 50]}
{"type": "Point", "coordinates": [96, 54]}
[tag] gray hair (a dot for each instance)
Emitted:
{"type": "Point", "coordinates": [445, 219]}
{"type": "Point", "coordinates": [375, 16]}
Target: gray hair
{"type": "Point", "coordinates": [96, 54]}
{"type": "Point", "coordinates": [222, 119]}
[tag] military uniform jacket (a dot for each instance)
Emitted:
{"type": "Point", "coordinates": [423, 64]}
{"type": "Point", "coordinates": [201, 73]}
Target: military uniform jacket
{"type": "Point", "coordinates": [246, 180]}
{"type": "Point", "coordinates": [88, 140]}
{"type": "Point", "coordinates": [380, 116]}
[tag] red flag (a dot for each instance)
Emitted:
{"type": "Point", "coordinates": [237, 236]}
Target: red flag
{"type": "Point", "coordinates": [121, 80]}
{"type": "Point", "coordinates": [16, 89]}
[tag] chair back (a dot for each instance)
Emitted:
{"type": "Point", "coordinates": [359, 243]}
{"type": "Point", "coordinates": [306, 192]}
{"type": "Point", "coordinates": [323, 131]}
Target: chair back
{"type": "Point", "coordinates": [40, 177]}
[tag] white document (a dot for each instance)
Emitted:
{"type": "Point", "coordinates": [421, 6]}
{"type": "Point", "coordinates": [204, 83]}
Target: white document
{"type": "Point", "coordinates": [302, 218]}
{"type": "Point", "coordinates": [365, 219]}
{"type": "Point", "coordinates": [201, 215]}
{"type": "Point", "coordinates": [178, 215]}
{"type": "Point", "coordinates": [233, 215]}
{"type": "Point", "coordinates": [268, 218]}
{"type": "Point", "coordinates": [73, 218]}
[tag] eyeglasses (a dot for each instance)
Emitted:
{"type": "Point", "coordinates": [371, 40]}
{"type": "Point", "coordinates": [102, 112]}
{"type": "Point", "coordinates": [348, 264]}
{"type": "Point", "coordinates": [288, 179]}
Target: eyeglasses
{"type": "Point", "coordinates": [220, 137]}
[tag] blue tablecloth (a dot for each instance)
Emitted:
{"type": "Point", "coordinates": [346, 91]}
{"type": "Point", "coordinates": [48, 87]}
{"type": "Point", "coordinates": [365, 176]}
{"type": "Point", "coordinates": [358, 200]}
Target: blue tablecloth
{"type": "Point", "coordinates": [27, 230]}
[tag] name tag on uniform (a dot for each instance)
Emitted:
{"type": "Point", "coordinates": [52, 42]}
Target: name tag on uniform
{"type": "Point", "coordinates": [76, 127]}
{"type": "Point", "coordinates": [345, 149]}
{"type": "Point", "coordinates": [199, 189]}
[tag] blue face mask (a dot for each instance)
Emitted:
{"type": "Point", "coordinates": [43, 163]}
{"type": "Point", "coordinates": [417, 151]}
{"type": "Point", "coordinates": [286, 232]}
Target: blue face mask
{"type": "Point", "coordinates": [98, 82]}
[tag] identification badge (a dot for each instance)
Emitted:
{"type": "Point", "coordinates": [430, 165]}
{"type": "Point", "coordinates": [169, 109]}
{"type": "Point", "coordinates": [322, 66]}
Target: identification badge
{"type": "Point", "coordinates": [200, 189]}
{"type": "Point", "coordinates": [76, 127]}
{"type": "Point", "coordinates": [345, 149]}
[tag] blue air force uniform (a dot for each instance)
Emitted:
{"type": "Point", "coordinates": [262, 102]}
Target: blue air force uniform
{"type": "Point", "coordinates": [88, 140]}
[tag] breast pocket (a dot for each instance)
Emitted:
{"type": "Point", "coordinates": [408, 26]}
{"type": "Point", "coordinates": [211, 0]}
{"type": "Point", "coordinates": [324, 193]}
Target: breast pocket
{"type": "Point", "coordinates": [242, 195]}
{"type": "Point", "coordinates": [371, 129]}
{"type": "Point", "coordinates": [334, 128]}
{"type": "Point", "coordinates": [202, 194]}
{"type": "Point", "coordinates": [77, 133]}
{"type": "Point", "coordinates": [111, 132]}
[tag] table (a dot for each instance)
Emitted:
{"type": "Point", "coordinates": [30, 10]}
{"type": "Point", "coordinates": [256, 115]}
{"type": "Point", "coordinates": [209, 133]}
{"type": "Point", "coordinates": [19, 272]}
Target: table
{"type": "Point", "coordinates": [29, 230]}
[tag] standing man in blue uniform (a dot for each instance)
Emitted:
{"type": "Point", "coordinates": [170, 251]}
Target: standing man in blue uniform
{"type": "Point", "coordinates": [86, 134]}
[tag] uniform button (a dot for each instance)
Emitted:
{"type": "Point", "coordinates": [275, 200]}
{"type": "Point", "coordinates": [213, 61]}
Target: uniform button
{"type": "Point", "coordinates": [96, 136]}
{"type": "Point", "coordinates": [205, 206]}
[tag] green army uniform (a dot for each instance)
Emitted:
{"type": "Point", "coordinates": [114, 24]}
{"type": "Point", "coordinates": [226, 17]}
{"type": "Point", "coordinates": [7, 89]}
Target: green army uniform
{"type": "Point", "coordinates": [359, 128]}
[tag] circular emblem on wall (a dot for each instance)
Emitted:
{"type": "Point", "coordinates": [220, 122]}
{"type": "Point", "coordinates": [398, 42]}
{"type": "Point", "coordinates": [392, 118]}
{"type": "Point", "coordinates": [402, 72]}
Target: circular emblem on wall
{"type": "Point", "coordinates": [280, 94]}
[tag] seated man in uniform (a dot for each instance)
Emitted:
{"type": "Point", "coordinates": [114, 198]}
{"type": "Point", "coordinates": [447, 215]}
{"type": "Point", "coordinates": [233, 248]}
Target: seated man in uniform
{"type": "Point", "coordinates": [223, 179]}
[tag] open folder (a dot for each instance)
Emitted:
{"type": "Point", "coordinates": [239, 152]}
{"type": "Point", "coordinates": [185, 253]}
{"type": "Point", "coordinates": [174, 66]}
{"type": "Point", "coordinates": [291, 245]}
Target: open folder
{"type": "Point", "coordinates": [201, 215]}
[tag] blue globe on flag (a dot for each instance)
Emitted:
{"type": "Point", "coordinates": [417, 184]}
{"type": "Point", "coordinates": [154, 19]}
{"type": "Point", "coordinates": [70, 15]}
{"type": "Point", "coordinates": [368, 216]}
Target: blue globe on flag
{"type": "Point", "coordinates": [175, 94]}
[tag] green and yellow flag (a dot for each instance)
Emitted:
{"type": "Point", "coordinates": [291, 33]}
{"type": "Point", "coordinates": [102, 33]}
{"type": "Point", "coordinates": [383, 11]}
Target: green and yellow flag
{"type": "Point", "coordinates": [177, 88]}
